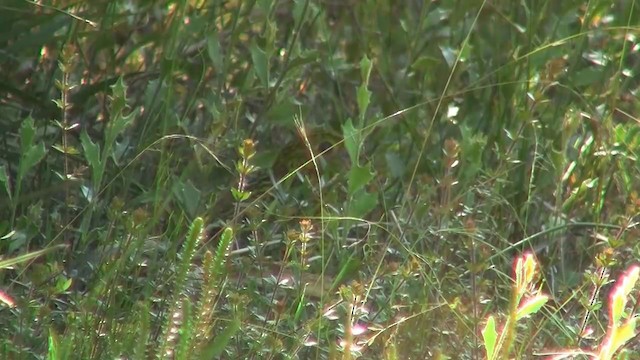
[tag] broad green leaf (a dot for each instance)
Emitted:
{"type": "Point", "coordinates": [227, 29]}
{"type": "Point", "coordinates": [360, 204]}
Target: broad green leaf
{"type": "Point", "coordinates": [63, 284]}
{"type": "Point", "coordinates": [617, 305]}
{"type": "Point", "coordinates": [395, 163]}
{"type": "Point", "coordinates": [449, 55]}
{"type": "Point", "coordinates": [27, 134]}
{"type": "Point", "coordinates": [351, 140]}
{"type": "Point", "coordinates": [269, 34]}
{"type": "Point", "coordinates": [424, 63]}
{"type": "Point", "coordinates": [365, 70]}
{"type": "Point", "coordinates": [118, 121]}
{"type": "Point", "coordinates": [588, 76]}
{"type": "Point", "coordinates": [306, 57]}
{"type": "Point", "coordinates": [265, 5]}
{"type": "Point", "coordinates": [622, 334]}
{"type": "Point", "coordinates": [31, 153]}
{"type": "Point", "coordinates": [364, 97]}
{"type": "Point", "coordinates": [119, 149]}
{"type": "Point", "coordinates": [362, 203]}
{"type": "Point", "coordinates": [92, 155]}
{"type": "Point", "coordinates": [213, 49]}
{"type": "Point", "coordinates": [359, 177]}
{"type": "Point", "coordinates": [282, 113]}
{"type": "Point", "coordinates": [115, 127]}
{"type": "Point", "coordinates": [118, 96]}
{"type": "Point", "coordinates": [531, 306]}
{"type": "Point", "coordinates": [30, 159]}
{"type": "Point", "coordinates": [220, 342]}
{"type": "Point", "coordinates": [188, 197]}
{"type": "Point", "coordinates": [490, 336]}
{"type": "Point", "coordinates": [260, 64]}
{"type": "Point", "coordinates": [299, 11]}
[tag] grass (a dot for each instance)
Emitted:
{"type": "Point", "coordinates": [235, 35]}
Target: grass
{"type": "Point", "coordinates": [319, 180]}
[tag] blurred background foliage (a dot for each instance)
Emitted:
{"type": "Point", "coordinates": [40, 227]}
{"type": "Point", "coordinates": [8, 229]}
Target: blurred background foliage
{"type": "Point", "coordinates": [426, 136]}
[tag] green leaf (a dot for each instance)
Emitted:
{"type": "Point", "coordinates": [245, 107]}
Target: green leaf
{"type": "Point", "coordinates": [531, 306]}
{"type": "Point", "coordinates": [119, 149]}
{"type": "Point", "coordinates": [348, 270]}
{"type": "Point", "coordinates": [449, 55]}
{"type": "Point", "coordinates": [396, 165]}
{"type": "Point", "coordinates": [306, 57]}
{"type": "Point", "coordinates": [4, 179]}
{"type": "Point", "coordinates": [588, 76]}
{"type": "Point", "coordinates": [265, 5]}
{"type": "Point", "coordinates": [54, 345]}
{"type": "Point", "coordinates": [364, 97]}
{"type": "Point", "coordinates": [27, 134]}
{"type": "Point", "coordinates": [118, 121]}
{"type": "Point", "coordinates": [300, 307]}
{"type": "Point", "coordinates": [362, 204]}
{"type": "Point", "coordinates": [31, 153]}
{"type": "Point", "coordinates": [116, 126]}
{"type": "Point", "coordinates": [359, 177]}
{"type": "Point", "coordinates": [365, 70]}
{"type": "Point", "coordinates": [618, 303]}
{"type": "Point", "coordinates": [213, 49]}
{"type": "Point", "coordinates": [30, 159]}
{"type": "Point", "coordinates": [424, 63]}
{"type": "Point", "coordinates": [220, 342]}
{"type": "Point", "coordinates": [26, 257]}
{"type": "Point", "coordinates": [578, 192]}
{"type": "Point", "coordinates": [282, 113]}
{"type": "Point", "coordinates": [118, 96]}
{"type": "Point", "coordinates": [351, 140]}
{"type": "Point", "coordinates": [34, 155]}
{"type": "Point", "coordinates": [92, 154]}
{"type": "Point", "coordinates": [63, 284]}
{"type": "Point", "coordinates": [299, 10]}
{"type": "Point", "coordinates": [260, 64]}
{"type": "Point", "coordinates": [490, 336]}
{"type": "Point", "coordinates": [240, 195]}
{"type": "Point", "coordinates": [69, 150]}
{"type": "Point", "coordinates": [188, 197]}
{"type": "Point", "coordinates": [622, 334]}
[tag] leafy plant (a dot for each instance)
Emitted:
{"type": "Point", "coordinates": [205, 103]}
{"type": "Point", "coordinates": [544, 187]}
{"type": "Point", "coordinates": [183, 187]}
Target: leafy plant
{"type": "Point", "coordinates": [318, 180]}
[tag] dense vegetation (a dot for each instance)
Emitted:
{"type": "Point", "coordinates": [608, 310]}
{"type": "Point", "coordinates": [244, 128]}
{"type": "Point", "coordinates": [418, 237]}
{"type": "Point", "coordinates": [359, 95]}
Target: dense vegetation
{"type": "Point", "coordinates": [316, 179]}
